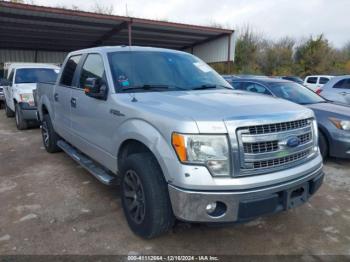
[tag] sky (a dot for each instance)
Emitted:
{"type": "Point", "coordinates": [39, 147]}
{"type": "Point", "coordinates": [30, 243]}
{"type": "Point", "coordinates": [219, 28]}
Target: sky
{"type": "Point", "coordinates": [272, 18]}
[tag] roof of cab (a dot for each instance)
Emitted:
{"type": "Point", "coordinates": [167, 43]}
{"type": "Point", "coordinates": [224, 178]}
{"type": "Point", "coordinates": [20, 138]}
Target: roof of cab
{"type": "Point", "coordinates": [123, 48]}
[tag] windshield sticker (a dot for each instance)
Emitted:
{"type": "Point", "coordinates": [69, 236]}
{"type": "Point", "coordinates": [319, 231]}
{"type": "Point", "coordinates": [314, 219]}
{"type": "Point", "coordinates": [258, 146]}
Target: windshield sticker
{"type": "Point", "coordinates": [203, 67]}
{"type": "Point", "coordinates": [123, 81]}
{"type": "Point", "coordinates": [57, 71]}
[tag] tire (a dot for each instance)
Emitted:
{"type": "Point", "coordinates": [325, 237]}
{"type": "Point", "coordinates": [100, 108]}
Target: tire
{"type": "Point", "coordinates": [8, 111]}
{"type": "Point", "coordinates": [50, 137]}
{"type": "Point", "coordinates": [20, 122]}
{"type": "Point", "coordinates": [142, 174]}
{"type": "Point", "coordinates": [323, 144]}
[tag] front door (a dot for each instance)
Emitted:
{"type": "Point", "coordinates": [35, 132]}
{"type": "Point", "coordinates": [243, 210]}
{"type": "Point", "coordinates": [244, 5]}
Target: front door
{"type": "Point", "coordinates": [93, 125]}
{"type": "Point", "coordinates": [343, 90]}
{"type": "Point", "coordinates": [62, 97]}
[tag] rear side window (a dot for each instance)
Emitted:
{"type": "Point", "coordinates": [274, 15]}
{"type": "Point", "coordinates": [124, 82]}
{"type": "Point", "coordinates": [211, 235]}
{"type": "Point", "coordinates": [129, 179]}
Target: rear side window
{"type": "Point", "coordinates": [311, 80]}
{"type": "Point", "coordinates": [69, 70]}
{"type": "Point", "coordinates": [324, 80]}
{"type": "Point", "coordinates": [92, 68]}
{"type": "Point", "coordinates": [345, 84]}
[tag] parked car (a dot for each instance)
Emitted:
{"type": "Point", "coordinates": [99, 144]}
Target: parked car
{"type": "Point", "coordinates": [22, 78]}
{"type": "Point", "coordinates": [180, 140]}
{"type": "Point", "coordinates": [337, 89]}
{"type": "Point", "coordinates": [316, 82]}
{"type": "Point", "coordinates": [333, 119]}
{"type": "Point", "coordinates": [295, 79]}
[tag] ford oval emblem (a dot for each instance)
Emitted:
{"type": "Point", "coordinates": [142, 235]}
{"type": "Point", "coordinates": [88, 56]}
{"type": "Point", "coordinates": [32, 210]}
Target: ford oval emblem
{"type": "Point", "coordinates": [293, 142]}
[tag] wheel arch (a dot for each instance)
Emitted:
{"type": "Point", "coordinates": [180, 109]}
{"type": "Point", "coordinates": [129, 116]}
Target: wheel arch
{"type": "Point", "coordinates": [136, 136]}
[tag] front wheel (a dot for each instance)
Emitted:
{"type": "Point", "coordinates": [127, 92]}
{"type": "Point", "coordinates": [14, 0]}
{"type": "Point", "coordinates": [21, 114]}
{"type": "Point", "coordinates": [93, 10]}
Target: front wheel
{"type": "Point", "coordinates": [8, 111]}
{"type": "Point", "coordinates": [50, 137]}
{"type": "Point", "coordinates": [145, 196]}
{"type": "Point", "coordinates": [20, 122]}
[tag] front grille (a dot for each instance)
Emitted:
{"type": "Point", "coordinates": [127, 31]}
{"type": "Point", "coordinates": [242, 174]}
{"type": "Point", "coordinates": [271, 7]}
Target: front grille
{"type": "Point", "coordinates": [277, 127]}
{"type": "Point", "coordinates": [305, 138]}
{"type": "Point", "coordinates": [264, 148]}
{"type": "Point", "coordinates": [280, 161]}
{"type": "Point", "coordinates": [271, 146]}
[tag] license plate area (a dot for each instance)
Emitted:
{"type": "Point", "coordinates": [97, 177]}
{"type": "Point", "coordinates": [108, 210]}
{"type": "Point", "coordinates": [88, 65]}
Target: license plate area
{"type": "Point", "coordinates": [296, 196]}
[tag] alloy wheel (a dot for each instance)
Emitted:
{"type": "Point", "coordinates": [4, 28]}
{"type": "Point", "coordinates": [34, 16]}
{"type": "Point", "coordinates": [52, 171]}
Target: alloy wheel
{"type": "Point", "coordinates": [134, 196]}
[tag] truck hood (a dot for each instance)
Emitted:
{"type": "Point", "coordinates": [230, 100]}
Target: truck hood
{"type": "Point", "coordinates": [330, 109]}
{"type": "Point", "coordinates": [25, 87]}
{"type": "Point", "coordinates": [205, 106]}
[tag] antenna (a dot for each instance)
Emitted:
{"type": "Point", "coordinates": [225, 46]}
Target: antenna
{"type": "Point", "coordinates": [126, 9]}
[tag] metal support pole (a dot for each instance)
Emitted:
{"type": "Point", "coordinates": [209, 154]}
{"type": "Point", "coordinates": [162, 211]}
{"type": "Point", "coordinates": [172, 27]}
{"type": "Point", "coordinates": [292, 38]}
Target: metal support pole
{"type": "Point", "coordinates": [229, 53]}
{"type": "Point", "coordinates": [36, 56]}
{"type": "Point", "coordinates": [129, 32]}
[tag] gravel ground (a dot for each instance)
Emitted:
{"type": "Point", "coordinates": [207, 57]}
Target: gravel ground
{"type": "Point", "coordinates": [50, 205]}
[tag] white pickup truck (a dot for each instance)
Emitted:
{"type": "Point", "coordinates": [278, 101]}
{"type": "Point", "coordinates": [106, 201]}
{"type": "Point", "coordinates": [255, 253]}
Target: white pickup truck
{"type": "Point", "coordinates": [22, 79]}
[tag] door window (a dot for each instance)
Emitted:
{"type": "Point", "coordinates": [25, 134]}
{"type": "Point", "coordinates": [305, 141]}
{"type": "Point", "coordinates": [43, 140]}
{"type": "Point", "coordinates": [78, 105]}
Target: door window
{"type": "Point", "coordinates": [93, 68]}
{"type": "Point", "coordinates": [256, 88]}
{"type": "Point", "coordinates": [10, 79]}
{"type": "Point", "coordinates": [344, 84]}
{"type": "Point", "coordinates": [69, 70]}
{"type": "Point", "coordinates": [312, 80]}
{"type": "Point", "coordinates": [323, 80]}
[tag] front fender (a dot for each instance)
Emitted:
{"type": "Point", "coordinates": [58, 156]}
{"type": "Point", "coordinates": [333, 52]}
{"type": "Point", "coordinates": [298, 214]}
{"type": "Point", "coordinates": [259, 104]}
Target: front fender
{"type": "Point", "coordinates": [158, 143]}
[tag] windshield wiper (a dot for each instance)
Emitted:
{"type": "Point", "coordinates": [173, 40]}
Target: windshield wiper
{"type": "Point", "coordinates": [209, 86]}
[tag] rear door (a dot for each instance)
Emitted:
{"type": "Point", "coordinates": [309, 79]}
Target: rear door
{"type": "Point", "coordinates": [62, 97]}
{"type": "Point", "coordinates": [93, 124]}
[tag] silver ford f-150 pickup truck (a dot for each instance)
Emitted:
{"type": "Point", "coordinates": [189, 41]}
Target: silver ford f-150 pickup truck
{"type": "Point", "coordinates": [181, 143]}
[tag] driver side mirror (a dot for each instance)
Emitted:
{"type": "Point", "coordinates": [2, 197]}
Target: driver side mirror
{"type": "Point", "coordinates": [5, 82]}
{"type": "Point", "coordinates": [95, 88]}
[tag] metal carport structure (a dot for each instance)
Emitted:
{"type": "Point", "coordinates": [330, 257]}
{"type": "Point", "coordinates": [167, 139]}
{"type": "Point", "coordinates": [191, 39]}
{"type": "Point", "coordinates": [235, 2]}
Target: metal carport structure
{"type": "Point", "coordinates": [41, 32]}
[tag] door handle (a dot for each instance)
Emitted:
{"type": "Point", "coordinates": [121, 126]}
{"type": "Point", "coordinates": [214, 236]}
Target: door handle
{"type": "Point", "coordinates": [55, 96]}
{"type": "Point", "coordinates": [73, 102]}
{"type": "Point", "coordinates": [343, 93]}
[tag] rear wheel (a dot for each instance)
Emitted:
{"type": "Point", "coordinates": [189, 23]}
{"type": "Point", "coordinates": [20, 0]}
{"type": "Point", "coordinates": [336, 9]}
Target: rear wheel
{"type": "Point", "coordinates": [20, 122]}
{"type": "Point", "coordinates": [323, 144]}
{"type": "Point", "coordinates": [145, 196]}
{"type": "Point", "coordinates": [50, 137]}
{"type": "Point", "coordinates": [8, 111]}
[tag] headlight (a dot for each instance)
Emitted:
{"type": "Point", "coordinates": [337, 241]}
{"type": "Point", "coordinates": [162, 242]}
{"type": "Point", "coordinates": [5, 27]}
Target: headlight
{"type": "Point", "coordinates": [340, 124]}
{"type": "Point", "coordinates": [209, 150]}
{"type": "Point", "coordinates": [27, 98]}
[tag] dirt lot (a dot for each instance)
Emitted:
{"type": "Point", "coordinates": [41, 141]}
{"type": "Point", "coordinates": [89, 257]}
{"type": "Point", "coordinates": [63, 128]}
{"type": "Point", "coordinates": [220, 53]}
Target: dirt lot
{"type": "Point", "coordinates": [50, 205]}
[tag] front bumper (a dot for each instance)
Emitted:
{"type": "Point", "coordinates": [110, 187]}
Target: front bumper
{"type": "Point", "coordinates": [243, 205]}
{"type": "Point", "coordinates": [340, 144]}
{"type": "Point", "coordinates": [28, 112]}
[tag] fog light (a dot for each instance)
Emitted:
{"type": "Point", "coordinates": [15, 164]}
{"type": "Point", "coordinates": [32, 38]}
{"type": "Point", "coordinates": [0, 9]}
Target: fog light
{"type": "Point", "coordinates": [216, 209]}
{"type": "Point", "coordinates": [210, 208]}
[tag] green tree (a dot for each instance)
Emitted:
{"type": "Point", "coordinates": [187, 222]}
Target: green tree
{"type": "Point", "coordinates": [276, 58]}
{"type": "Point", "coordinates": [246, 54]}
{"type": "Point", "coordinates": [315, 56]}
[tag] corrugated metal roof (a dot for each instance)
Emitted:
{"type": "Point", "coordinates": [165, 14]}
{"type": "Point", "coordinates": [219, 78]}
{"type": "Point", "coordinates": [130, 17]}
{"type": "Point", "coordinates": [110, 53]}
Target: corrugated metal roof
{"type": "Point", "coordinates": [25, 26]}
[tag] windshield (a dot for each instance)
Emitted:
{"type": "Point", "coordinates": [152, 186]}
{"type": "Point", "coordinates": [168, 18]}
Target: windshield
{"type": "Point", "coordinates": [35, 75]}
{"type": "Point", "coordinates": [161, 70]}
{"type": "Point", "coordinates": [295, 93]}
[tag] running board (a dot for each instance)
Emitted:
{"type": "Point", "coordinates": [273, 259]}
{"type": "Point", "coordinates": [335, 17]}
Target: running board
{"type": "Point", "coordinates": [95, 169]}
